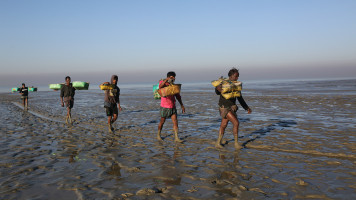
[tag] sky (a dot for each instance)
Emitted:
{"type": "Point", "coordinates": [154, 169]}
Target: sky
{"type": "Point", "coordinates": [42, 41]}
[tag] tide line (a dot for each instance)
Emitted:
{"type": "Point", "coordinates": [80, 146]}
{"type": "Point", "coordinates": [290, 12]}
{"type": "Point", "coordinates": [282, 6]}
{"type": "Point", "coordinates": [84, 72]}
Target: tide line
{"type": "Point", "coordinates": [36, 113]}
{"type": "Point", "coordinates": [309, 152]}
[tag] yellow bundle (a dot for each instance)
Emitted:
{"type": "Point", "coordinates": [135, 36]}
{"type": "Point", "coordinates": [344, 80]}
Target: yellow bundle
{"type": "Point", "coordinates": [231, 86]}
{"type": "Point", "coordinates": [229, 89]}
{"type": "Point", "coordinates": [105, 86]}
{"type": "Point", "coordinates": [169, 90]}
{"type": "Point", "coordinates": [218, 82]}
{"type": "Point", "coordinates": [231, 95]}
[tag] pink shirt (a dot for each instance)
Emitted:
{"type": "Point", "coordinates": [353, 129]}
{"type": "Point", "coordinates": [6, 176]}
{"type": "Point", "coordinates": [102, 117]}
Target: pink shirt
{"type": "Point", "coordinates": [169, 101]}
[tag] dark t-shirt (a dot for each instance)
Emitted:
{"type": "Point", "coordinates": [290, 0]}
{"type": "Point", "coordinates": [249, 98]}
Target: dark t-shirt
{"type": "Point", "coordinates": [67, 91]}
{"type": "Point", "coordinates": [227, 103]}
{"type": "Point", "coordinates": [24, 91]}
{"type": "Point", "coordinates": [112, 96]}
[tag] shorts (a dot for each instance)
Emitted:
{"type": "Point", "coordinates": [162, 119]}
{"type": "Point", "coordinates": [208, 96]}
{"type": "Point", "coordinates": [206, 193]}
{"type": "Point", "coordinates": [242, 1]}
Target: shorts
{"type": "Point", "coordinates": [167, 112]}
{"type": "Point", "coordinates": [24, 97]}
{"type": "Point", "coordinates": [69, 102]}
{"type": "Point", "coordinates": [111, 110]}
{"type": "Point", "coordinates": [224, 111]}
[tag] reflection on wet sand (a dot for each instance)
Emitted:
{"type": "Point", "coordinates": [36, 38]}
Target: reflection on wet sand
{"type": "Point", "coordinates": [297, 145]}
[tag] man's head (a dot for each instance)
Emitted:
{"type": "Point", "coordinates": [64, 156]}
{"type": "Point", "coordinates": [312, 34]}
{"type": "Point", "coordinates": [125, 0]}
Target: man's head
{"type": "Point", "coordinates": [171, 75]}
{"type": "Point", "coordinates": [114, 79]}
{"type": "Point", "coordinates": [233, 74]}
{"type": "Point", "coordinates": [23, 85]}
{"type": "Point", "coordinates": [67, 79]}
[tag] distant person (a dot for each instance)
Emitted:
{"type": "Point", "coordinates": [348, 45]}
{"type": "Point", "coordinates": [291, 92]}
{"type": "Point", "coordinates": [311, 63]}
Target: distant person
{"type": "Point", "coordinates": [24, 96]}
{"type": "Point", "coordinates": [67, 97]}
{"type": "Point", "coordinates": [228, 108]}
{"type": "Point", "coordinates": [168, 107]}
{"type": "Point", "coordinates": [112, 102]}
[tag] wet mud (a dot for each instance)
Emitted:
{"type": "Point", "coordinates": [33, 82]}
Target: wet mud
{"type": "Point", "coordinates": [299, 143]}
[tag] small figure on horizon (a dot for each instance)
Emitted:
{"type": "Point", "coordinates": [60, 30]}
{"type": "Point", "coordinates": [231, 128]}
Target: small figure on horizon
{"type": "Point", "coordinates": [67, 97]}
{"type": "Point", "coordinates": [112, 102]}
{"type": "Point", "coordinates": [24, 96]}
{"type": "Point", "coordinates": [168, 107]}
{"type": "Point", "coordinates": [228, 108]}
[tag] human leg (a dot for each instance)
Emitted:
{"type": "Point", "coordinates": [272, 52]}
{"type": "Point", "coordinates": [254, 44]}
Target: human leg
{"type": "Point", "coordinates": [23, 101]}
{"type": "Point", "coordinates": [231, 116]}
{"type": "Point", "coordinates": [69, 105]}
{"type": "Point", "coordinates": [175, 128]}
{"type": "Point", "coordinates": [113, 119]}
{"type": "Point", "coordinates": [112, 116]}
{"type": "Point", "coordinates": [223, 126]}
{"type": "Point", "coordinates": [110, 124]}
{"type": "Point", "coordinates": [160, 126]}
{"type": "Point", "coordinates": [26, 102]}
{"type": "Point", "coordinates": [69, 114]}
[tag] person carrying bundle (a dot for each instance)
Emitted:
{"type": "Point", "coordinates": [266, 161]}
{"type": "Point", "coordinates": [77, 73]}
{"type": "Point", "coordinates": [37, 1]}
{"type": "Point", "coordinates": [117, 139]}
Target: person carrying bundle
{"type": "Point", "coordinates": [168, 107]}
{"type": "Point", "coordinates": [228, 108]}
{"type": "Point", "coordinates": [67, 97]}
{"type": "Point", "coordinates": [24, 96]}
{"type": "Point", "coordinates": [112, 102]}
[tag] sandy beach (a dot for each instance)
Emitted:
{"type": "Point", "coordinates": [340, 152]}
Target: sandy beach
{"type": "Point", "coordinates": [299, 143]}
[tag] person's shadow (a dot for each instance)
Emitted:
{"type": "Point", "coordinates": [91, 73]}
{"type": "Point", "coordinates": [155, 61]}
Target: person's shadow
{"type": "Point", "coordinates": [263, 131]}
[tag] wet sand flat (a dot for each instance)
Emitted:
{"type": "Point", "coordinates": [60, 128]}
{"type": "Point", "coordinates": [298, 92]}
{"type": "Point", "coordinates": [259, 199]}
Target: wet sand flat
{"type": "Point", "coordinates": [299, 143]}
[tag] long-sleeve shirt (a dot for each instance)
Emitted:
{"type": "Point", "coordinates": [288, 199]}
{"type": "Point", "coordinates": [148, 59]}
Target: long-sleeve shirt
{"type": "Point", "coordinates": [227, 103]}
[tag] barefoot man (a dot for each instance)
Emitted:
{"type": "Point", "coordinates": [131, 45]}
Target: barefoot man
{"type": "Point", "coordinates": [24, 95]}
{"type": "Point", "coordinates": [228, 108]}
{"type": "Point", "coordinates": [67, 97]}
{"type": "Point", "coordinates": [112, 102]}
{"type": "Point", "coordinates": [168, 107]}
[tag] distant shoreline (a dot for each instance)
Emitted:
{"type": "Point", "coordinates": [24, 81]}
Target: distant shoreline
{"type": "Point", "coordinates": [7, 89]}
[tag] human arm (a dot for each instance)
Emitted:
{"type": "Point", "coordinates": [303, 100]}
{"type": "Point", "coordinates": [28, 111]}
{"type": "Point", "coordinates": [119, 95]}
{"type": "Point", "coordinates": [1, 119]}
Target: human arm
{"type": "Point", "coordinates": [163, 82]}
{"type": "Point", "coordinates": [179, 98]}
{"type": "Point", "coordinates": [244, 104]}
{"type": "Point", "coordinates": [218, 89]}
{"type": "Point", "coordinates": [62, 103]}
{"type": "Point", "coordinates": [118, 99]}
{"type": "Point", "coordinates": [73, 92]}
{"type": "Point", "coordinates": [118, 104]}
{"type": "Point", "coordinates": [61, 96]}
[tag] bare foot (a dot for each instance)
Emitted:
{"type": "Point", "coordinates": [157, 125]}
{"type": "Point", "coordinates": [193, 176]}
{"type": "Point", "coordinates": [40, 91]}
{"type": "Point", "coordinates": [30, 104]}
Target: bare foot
{"type": "Point", "coordinates": [159, 138]}
{"type": "Point", "coordinates": [218, 145]}
{"type": "Point", "coordinates": [178, 140]}
{"type": "Point", "coordinates": [111, 129]}
{"type": "Point", "coordinates": [238, 146]}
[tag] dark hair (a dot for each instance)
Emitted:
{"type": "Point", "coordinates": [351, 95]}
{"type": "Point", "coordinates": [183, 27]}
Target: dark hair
{"type": "Point", "coordinates": [233, 71]}
{"type": "Point", "coordinates": [171, 73]}
{"type": "Point", "coordinates": [67, 78]}
{"type": "Point", "coordinates": [23, 84]}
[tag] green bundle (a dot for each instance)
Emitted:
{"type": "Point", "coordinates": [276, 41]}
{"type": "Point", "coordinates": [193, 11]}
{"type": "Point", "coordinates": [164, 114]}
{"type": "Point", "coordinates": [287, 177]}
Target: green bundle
{"type": "Point", "coordinates": [80, 85]}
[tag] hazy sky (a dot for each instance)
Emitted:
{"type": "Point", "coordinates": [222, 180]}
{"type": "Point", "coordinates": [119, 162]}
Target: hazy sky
{"type": "Point", "coordinates": [41, 41]}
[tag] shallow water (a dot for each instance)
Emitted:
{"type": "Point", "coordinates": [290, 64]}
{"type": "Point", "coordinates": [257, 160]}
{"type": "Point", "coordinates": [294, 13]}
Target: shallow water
{"type": "Point", "coordinates": [299, 143]}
